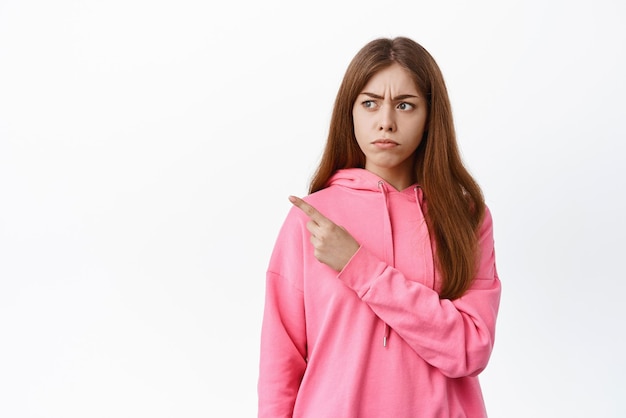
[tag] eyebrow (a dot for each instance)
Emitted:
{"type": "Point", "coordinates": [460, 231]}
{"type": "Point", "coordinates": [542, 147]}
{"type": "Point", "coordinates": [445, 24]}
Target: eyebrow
{"type": "Point", "coordinates": [400, 97]}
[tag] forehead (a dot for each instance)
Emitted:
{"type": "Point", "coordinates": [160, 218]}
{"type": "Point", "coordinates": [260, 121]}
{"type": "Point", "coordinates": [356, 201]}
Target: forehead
{"type": "Point", "coordinates": [394, 78]}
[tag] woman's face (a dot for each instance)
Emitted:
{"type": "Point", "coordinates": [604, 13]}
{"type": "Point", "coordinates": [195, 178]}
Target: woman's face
{"type": "Point", "coordinates": [389, 117]}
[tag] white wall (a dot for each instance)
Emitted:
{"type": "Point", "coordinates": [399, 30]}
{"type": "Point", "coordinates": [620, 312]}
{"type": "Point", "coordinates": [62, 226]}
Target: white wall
{"type": "Point", "coordinates": [147, 149]}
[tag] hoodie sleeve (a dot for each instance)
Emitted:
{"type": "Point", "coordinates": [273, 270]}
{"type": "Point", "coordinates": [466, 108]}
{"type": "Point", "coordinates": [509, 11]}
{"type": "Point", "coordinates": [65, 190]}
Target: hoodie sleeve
{"type": "Point", "coordinates": [455, 336]}
{"type": "Point", "coordinates": [283, 333]}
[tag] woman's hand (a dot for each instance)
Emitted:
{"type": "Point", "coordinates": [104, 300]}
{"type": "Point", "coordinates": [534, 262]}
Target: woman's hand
{"type": "Point", "coordinates": [333, 245]}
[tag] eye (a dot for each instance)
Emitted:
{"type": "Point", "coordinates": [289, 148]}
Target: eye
{"type": "Point", "coordinates": [405, 106]}
{"type": "Point", "coordinates": [368, 104]}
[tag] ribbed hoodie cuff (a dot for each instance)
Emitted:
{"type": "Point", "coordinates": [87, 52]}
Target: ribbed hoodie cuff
{"type": "Point", "coordinates": [361, 271]}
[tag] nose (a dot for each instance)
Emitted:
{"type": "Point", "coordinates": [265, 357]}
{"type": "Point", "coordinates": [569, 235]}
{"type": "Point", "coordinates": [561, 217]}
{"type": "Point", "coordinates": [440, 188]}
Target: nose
{"type": "Point", "coordinates": [387, 122]}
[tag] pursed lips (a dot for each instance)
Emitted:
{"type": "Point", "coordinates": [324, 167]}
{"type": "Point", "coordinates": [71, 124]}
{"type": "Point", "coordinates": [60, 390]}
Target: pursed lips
{"type": "Point", "coordinates": [385, 143]}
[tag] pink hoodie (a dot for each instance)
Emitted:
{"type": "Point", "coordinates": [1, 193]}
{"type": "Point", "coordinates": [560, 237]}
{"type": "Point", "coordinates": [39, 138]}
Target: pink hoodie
{"type": "Point", "coordinates": [374, 340]}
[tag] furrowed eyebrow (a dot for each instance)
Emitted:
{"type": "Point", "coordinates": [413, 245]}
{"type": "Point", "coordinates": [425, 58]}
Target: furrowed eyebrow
{"type": "Point", "coordinates": [400, 97]}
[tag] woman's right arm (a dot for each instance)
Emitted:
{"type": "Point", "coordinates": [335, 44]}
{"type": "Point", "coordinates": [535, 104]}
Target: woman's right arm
{"type": "Point", "coordinates": [283, 334]}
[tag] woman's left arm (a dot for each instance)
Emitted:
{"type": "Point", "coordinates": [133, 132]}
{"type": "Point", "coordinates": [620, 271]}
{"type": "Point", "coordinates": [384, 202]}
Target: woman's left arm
{"type": "Point", "coordinates": [455, 336]}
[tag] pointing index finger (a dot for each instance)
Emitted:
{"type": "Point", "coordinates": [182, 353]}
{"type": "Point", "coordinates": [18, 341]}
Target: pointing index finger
{"type": "Point", "coordinates": [309, 210]}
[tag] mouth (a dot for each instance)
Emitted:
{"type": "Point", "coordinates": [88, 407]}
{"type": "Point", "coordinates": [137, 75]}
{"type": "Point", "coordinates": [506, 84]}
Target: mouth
{"type": "Point", "coordinates": [385, 143]}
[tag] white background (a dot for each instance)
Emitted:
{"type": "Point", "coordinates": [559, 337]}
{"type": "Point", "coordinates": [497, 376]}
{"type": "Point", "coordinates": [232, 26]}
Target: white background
{"type": "Point", "coordinates": [147, 149]}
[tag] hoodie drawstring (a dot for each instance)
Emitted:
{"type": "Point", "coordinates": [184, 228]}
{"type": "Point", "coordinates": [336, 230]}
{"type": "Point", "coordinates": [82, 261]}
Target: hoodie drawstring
{"type": "Point", "coordinates": [418, 196]}
{"type": "Point", "coordinates": [388, 247]}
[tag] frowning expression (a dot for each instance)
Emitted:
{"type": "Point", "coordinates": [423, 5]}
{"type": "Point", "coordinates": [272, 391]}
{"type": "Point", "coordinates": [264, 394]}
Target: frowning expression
{"type": "Point", "coordinates": [389, 117]}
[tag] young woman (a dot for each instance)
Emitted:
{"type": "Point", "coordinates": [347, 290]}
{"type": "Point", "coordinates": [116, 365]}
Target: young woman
{"type": "Point", "coordinates": [382, 291]}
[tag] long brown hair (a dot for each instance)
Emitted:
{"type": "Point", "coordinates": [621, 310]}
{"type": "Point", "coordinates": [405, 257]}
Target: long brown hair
{"type": "Point", "coordinates": [454, 201]}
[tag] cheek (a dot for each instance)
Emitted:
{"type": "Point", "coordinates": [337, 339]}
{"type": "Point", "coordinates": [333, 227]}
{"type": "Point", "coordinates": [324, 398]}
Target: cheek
{"type": "Point", "coordinates": [360, 137]}
{"type": "Point", "coordinates": [357, 125]}
{"type": "Point", "coordinates": [419, 127]}
{"type": "Point", "coordinates": [355, 120]}
{"type": "Point", "coordinates": [360, 122]}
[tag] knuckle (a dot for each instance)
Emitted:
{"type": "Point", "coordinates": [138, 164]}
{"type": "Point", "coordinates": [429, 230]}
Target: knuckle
{"type": "Point", "coordinates": [324, 235]}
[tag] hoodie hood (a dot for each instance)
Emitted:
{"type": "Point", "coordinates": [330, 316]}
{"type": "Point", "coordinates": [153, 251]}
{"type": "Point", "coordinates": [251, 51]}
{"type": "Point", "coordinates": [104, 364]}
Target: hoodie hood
{"type": "Point", "coordinates": [361, 179]}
